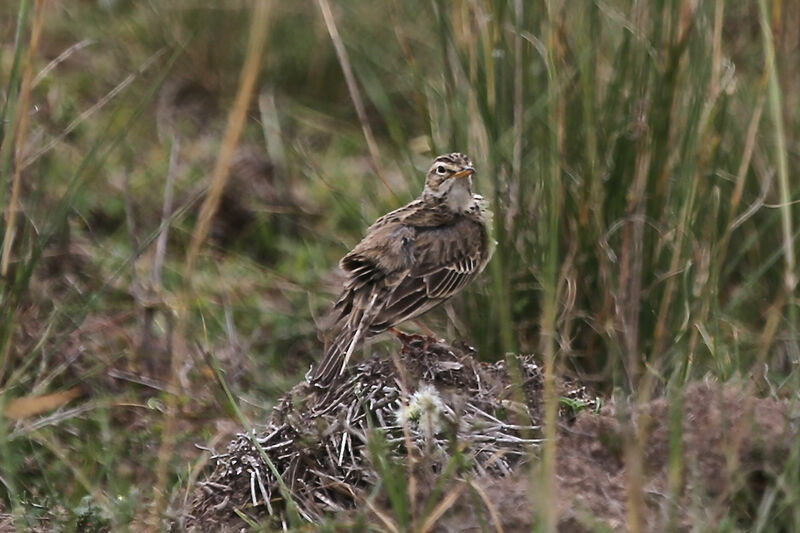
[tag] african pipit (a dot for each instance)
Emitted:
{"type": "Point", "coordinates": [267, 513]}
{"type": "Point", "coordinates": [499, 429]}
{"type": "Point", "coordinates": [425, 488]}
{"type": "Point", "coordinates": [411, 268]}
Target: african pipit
{"type": "Point", "coordinates": [411, 260]}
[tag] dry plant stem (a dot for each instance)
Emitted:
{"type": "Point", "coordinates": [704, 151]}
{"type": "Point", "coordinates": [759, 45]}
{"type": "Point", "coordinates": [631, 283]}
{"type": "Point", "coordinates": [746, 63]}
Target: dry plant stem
{"type": "Point", "coordinates": [634, 461]}
{"type": "Point", "coordinates": [63, 56]}
{"type": "Point", "coordinates": [169, 194]}
{"type": "Point", "coordinates": [21, 133]}
{"type": "Point", "coordinates": [383, 517]}
{"type": "Point", "coordinates": [477, 135]}
{"type": "Point", "coordinates": [744, 166]}
{"type": "Point", "coordinates": [352, 87]}
{"type": "Point", "coordinates": [413, 67]}
{"type": "Point", "coordinates": [659, 335]}
{"type": "Point", "coordinates": [631, 269]}
{"type": "Point", "coordinates": [236, 119]}
{"type": "Point", "coordinates": [152, 295]}
{"type": "Point", "coordinates": [630, 283]}
{"type": "Point", "coordinates": [446, 503]}
{"type": "Point", "coordinates": [271, 127]}
{"type": "Point", "coordinates": [130, 222]}
{"type": "Point", "coordinates": [716, 51]}
{"type": "Point", "coordinates": [498, 524]}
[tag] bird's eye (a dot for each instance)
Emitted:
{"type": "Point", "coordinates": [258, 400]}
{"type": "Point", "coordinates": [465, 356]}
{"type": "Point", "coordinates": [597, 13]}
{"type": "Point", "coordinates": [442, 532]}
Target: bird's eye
{"type": "Point", "coordinates": [441, 170]}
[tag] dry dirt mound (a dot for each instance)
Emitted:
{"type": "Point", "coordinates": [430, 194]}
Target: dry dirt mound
{"type": "Point", "coordinates": [470, 429]}
{"type": "Point", "coordinates": [732, 445]}
{"type": "Point", "coordinates": [332, 448]}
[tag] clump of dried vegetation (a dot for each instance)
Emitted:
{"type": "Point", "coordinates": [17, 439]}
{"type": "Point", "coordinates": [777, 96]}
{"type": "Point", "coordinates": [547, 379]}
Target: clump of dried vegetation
{"type": "Point", "coordinates": [326, 450]}
{"type": "Point", "coordinates": [454, 444]}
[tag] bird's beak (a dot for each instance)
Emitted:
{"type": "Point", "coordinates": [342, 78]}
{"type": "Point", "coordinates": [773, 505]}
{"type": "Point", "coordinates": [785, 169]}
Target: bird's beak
{"type": "Point", "coordinates": [465, 172]}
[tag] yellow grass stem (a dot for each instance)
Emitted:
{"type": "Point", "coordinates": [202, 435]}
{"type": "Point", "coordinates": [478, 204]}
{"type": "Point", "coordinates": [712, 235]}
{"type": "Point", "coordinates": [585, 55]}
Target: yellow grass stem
{"type": "Point", "coordinates": [355, 94]}
{"type": "Point", "coordinates": [236, 120]}
{"type": "Point", "coordinates": [22, 131]}
{"type": "Point", "coordinates": [217, 181]}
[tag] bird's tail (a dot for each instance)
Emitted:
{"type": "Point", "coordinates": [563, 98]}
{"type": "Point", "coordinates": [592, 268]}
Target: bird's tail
{"type": "Point", "coordinates": [337, 353]}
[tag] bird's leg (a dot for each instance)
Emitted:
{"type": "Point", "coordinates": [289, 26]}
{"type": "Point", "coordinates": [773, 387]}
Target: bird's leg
{"type": "Point", "coordinates": [405, 338]}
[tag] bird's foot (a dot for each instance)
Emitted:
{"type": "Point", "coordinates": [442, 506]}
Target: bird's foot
{"type": "Point", "coordinates": [409, 339]}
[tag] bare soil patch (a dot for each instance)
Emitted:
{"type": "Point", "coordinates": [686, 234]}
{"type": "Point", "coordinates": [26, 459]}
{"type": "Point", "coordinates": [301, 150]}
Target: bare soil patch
{"type": "Point", "coordinates": [480, 445]}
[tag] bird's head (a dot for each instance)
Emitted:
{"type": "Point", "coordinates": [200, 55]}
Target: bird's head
{"type": "Point", "coordinates": [450, 177]}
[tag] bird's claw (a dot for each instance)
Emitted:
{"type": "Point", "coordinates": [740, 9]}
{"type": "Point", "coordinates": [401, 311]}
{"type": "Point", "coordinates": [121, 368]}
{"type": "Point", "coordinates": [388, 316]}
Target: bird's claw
{"type": "Point", "coordinates": [409, 339]}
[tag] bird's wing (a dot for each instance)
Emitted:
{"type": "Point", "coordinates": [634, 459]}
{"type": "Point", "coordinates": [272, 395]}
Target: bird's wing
{"type": "Point", "coordinates": [397, 273]}
{"type": "Point", "coordinates": [446, 259]}
{"type": "Point", "coordinates": [374, 269]}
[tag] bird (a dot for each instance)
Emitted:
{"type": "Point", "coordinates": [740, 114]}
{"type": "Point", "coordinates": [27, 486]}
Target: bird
{"type": "Point", "coordinates": [411, 260]}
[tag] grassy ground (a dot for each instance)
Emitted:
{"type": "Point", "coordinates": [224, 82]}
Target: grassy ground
{"type": "Point", "coordinates": [639, 158]}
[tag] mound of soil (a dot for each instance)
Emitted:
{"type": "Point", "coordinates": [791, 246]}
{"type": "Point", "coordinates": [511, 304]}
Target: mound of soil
{"type": "Point", "coordinates": [332, 447]}
{"type": "Point", "coordinates": [730, 445]}
{"type": "Point", "coordinates": [471, 430]}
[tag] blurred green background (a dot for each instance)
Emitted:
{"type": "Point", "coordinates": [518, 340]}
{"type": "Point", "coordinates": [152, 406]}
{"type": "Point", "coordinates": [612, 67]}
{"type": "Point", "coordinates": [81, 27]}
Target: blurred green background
{"type": "Point", "coordinates": [639, 158]}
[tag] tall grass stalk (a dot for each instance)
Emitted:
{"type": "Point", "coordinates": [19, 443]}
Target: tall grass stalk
{"type": "Point", "coordinates": [352, 87]}
{"type": "Point", "coordinates": [236, 119]}
{"type": "Point", "coordinates": [10, 116]}
{"type": "Point", "coordinates": [9, 110]}
{"type": "Point", "coordinates": [774, 101]}
{"type": "Point", "coordinates": [552, 186]}
{"type": "Point", "coordinates": [21, 134]}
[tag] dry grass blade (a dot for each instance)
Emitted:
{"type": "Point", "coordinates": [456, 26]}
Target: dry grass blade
{"type": "Point", "coordinates": [556, 116]}
{"type": "Point", "coordinates": [747, 154]}
{"type": "Point", "coordinates": [383, 517]}
{"type": "Point", "coordinates": [21, 134]}
{"type": "Point", "coordinates": [442, 508]}
{"type": "Point", "coordinates": [498, 524]}
{"type": "Point", "coordinates": [352, 86]}
{"type": "Point", "coordinates": [63, 56]}
{"type": "Point", "coordinates": [774, 101]}
{"type": "Point", "coordinates": [33, 405]}
{"type": "Point", "coordinates": [166, 211]}
{"type": "Point", "coordinates": [236, 119]}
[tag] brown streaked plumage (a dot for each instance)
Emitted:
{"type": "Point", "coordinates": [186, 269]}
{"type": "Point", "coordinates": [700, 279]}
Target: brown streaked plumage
{"type": "Point", "coordinates": [411, 260]}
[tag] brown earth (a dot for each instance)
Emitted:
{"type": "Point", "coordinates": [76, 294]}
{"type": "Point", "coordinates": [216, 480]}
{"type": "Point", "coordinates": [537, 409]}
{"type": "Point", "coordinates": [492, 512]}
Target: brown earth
{"type": "Point", "coordinates": [730, 443]}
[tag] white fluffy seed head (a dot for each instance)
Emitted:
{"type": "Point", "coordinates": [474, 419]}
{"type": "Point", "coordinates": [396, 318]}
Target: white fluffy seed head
{"type": "Point", "coordinates": [425, 411]}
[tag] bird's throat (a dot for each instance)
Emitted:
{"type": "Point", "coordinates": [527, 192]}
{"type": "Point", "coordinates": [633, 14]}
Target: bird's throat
{"type": "Point", "coordinates": [459, 197]}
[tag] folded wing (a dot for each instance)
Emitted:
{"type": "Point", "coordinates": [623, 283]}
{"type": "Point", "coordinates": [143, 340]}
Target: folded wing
{"type": "Point", "coordinates": [397, 277]}
{"type": "Point", "coordinates": [446, 259]}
